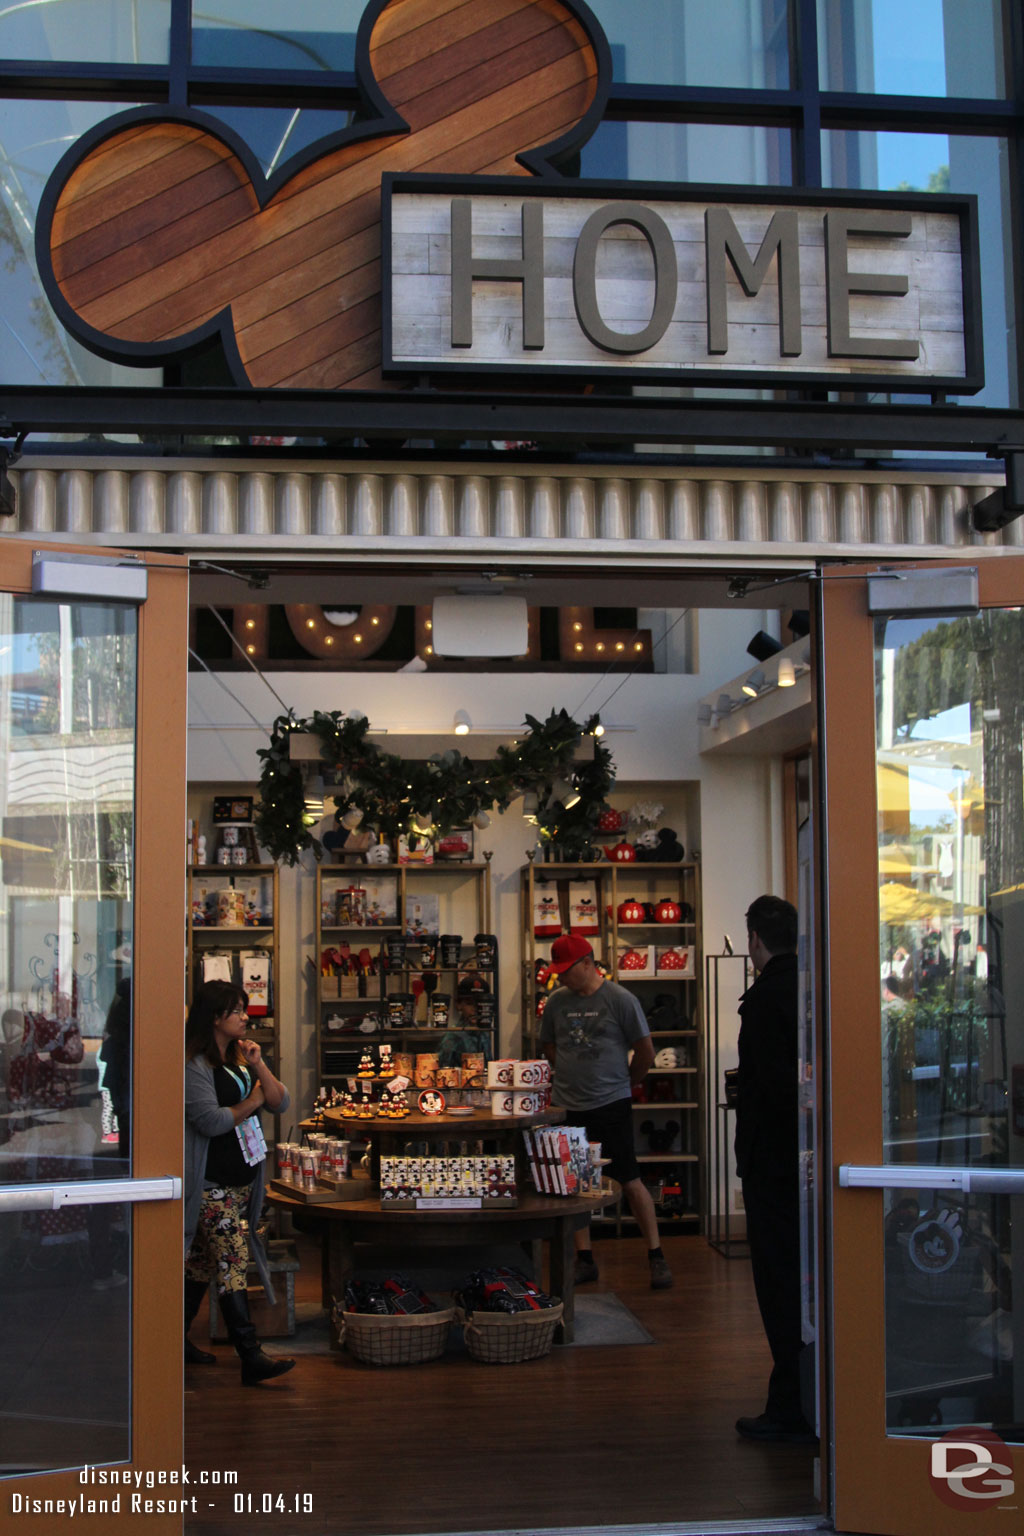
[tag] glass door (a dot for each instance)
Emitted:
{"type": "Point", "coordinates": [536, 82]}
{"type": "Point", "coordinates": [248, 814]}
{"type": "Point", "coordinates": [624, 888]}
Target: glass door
{"type": "Point", "coordinates": [923, 754]}
{"type": "Point", "coordinates": [92, 786]}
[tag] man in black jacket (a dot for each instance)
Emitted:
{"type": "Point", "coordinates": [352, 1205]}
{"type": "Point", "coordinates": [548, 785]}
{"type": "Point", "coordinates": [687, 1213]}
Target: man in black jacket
{"type": "Point", "coordinates": [767, 1158]}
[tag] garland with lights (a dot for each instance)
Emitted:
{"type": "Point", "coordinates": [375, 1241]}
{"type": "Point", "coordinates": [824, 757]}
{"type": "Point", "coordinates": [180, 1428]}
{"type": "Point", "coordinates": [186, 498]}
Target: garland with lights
{"type": "Point", "coordinates": [393, 795]}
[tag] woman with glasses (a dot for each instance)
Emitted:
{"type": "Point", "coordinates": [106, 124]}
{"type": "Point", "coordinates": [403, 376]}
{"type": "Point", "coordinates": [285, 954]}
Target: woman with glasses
{"type": "Point", "coordinates": [227, 1083]}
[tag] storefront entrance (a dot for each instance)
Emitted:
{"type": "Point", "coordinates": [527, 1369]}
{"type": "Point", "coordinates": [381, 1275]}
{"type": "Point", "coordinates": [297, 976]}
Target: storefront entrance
{"type": "Point", "coordinates": [92, 713]}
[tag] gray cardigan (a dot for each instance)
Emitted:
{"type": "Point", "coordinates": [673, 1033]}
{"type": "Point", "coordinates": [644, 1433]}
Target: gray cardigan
{"type": "Point", "coordinates": [204, 1119]}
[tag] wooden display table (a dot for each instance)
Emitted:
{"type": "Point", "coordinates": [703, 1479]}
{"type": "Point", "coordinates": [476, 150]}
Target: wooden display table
{"type": "Point", "coordinates": [536, 1218]}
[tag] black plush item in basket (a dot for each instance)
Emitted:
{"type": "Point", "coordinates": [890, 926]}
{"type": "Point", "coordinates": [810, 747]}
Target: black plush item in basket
{"type": "Point", "coordinates": [501, 1290]}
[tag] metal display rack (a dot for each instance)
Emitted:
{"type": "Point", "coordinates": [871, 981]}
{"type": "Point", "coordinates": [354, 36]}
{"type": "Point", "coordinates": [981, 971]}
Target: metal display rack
{"type": "Point", "coordinates": [719, 1124]}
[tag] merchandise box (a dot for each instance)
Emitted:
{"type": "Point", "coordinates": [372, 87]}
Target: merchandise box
{"type": "Point", "coordinates": [635, 962]}
{"type": "Point", "coordinates": [675, 961]}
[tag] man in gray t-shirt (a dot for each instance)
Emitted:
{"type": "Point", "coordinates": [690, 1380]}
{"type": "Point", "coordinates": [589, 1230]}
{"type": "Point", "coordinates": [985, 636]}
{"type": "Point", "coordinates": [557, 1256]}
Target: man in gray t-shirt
{"type": "Point", "coordinates": [596, 1037]}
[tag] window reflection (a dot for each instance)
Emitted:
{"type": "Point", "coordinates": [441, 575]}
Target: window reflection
{"type": "Point", "coordinates": [735, 43]}
{"type": "Point", "coordinates": [263, 34]}
{"type": "Point", "coordinates": [732, 153]}
{"type": "Point", "coordinates": [86, 31]}
{"type": "Point", "coordinates": [950, 786]}
{"type": "Point", "coordinates": [67, 716]}
{"type": "Point", "coordinates": [912, 47]}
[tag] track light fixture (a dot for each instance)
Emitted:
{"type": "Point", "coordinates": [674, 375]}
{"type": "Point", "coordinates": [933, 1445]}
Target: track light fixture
{"type": "Point", "coordinates": [799, 623]}
{"type": "Point", "coordinates": [724, 704]}
{"type": "Point", "coordinates": [787, 673]}
{"type": "Point", "coordinates": [763, 646]}
{"type": "Point", "coordinates": [704, 714]}
{"type": "Point", "coordinates": [754, 683]}
{"type": "Point", "coordinates": [461, 723]}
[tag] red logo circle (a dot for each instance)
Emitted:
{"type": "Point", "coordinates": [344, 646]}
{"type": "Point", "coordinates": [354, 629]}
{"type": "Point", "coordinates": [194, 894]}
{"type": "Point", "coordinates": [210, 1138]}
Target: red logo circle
{"type": "Point", "coordinates": [970, 1468]}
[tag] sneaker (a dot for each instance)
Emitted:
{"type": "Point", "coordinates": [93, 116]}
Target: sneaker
{"type": "Point", "coordinates": [764, 1428]}
{"type": "Point", "coordinates": [661, 1275]}
{"type": "Point", "coordinates": [584, 1271]}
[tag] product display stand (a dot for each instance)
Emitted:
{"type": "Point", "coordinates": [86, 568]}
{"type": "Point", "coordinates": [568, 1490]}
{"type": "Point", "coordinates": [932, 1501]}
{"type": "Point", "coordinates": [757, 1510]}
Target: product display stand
{"type": "Point", "coordinates": [644, 924]}
{"type": "Point", "coordinates": [363, 911]}
{"type": "Point", "coordinates": [720, 1125]}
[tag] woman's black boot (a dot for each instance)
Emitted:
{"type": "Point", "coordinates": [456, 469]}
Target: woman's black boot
{"type": "Point", "coordinates": [256, 1366]}
{"type": "Point", "coordinates": [195, 1290]}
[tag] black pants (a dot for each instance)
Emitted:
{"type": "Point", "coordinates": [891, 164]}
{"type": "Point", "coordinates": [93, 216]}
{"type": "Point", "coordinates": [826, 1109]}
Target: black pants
{"type": "Point", "coordinates": [773, 1231]}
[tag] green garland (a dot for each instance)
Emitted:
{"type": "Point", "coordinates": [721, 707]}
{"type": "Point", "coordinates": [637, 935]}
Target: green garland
{"type": "Point", "coordinates": [447, 788]}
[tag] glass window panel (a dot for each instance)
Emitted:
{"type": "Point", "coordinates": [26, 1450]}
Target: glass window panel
{"type": "Point", "coordinates": [35, 348]}
{"type": "Point", "coordinates": [263, 34]}
{"type": "Point", "coordinates": [935, 162]}
{"type": "Point", "coordinates": [912, 47]}
{"type": "Point", "coordinates": [275, 134]}
{"type": "Point", "coordinates": [86, 31]}
{"type": "Point", "coordinates": [733, 153]}
{"type": "Point", "coordinates": [950, 776]}
{"type": "Point", "coordinates": [735, 43]}
{"type": "Point", "coordinates": [67, 784]}
{"type": "Point", "coordinates": [65, 1393]}
{"type": "Point", "coordinates": [949, 1313]}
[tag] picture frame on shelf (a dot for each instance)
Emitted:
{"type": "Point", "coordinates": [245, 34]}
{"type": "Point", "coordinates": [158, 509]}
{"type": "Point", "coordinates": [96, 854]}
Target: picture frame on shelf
{"type": "Point", "coordinates": [236, 808]}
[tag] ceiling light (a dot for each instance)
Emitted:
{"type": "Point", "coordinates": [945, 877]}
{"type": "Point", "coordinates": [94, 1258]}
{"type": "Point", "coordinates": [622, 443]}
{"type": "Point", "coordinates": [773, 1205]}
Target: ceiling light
{"type": "Point", "coordinates": [461, 723]}
{"type": "Point", "coordinates": [787, 675]}
{"type": "Point", "coordinates": [754, 683]}
{"type": "Point", "coordinates": [762, 646]}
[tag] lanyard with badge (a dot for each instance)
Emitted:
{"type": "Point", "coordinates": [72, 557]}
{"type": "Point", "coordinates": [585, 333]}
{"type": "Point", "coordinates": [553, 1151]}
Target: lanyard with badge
{"type": "Point", "coordinates": [249, 1131]}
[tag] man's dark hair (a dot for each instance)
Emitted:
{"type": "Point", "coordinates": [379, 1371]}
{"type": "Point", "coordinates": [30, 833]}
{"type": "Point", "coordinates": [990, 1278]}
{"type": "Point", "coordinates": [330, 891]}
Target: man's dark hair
{"type": "Point", "coordinates": [775, 923]}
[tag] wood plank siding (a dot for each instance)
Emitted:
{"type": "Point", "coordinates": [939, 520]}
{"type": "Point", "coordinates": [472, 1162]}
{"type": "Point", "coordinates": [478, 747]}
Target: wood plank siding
{"type": "Point", "coordinates": [158, 230]}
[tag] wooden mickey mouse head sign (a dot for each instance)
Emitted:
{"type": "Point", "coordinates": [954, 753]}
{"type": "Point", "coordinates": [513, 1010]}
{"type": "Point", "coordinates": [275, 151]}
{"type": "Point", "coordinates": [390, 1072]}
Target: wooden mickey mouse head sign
{"type": "Point", "coordinates": [158, 229]}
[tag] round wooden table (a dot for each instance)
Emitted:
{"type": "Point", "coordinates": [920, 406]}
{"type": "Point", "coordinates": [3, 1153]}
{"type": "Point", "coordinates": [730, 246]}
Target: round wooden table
{"type": "Point", "coordinates": [535, 1219]}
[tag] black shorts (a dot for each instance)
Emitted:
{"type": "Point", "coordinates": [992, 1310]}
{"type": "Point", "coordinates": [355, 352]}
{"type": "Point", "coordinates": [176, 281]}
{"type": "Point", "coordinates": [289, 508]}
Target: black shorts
{"type": "Point", "coordinates": [612, 1126]}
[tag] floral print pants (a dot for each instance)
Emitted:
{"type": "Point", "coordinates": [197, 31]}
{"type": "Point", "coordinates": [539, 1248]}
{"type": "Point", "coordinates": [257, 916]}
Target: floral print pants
{"type": "Point", "coordinates": [220, 1248]}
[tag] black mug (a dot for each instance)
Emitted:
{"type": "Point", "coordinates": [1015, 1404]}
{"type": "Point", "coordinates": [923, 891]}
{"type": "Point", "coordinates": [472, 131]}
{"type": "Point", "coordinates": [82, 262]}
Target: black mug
{"type": "Point", "coordinates": [451, 949]}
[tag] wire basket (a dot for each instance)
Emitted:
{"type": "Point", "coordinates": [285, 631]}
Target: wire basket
{"type": "Point", "coordinates": [507, 1338]}
{"type": "Point", "coordinates": [393, 1339]}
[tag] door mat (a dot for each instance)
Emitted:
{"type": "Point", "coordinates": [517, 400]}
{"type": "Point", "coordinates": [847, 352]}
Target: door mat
{"type": "Point", "coordinates": [600, 1319]}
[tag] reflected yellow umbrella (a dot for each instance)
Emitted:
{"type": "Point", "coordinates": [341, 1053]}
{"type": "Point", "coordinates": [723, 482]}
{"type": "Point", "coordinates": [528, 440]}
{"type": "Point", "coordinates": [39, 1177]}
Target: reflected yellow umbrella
{"type": "Point", "coordinates": [12, 842]}
{"type": "Point", "coordinates": [902, 904]}
{"type": "Point", "coordinates": [895, 860]}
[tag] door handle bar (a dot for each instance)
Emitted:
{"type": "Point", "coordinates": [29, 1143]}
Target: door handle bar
{"type": "Point", "coordinates": [52, 1197]}
{"type": "Point", "coordinates": [982, 1181]}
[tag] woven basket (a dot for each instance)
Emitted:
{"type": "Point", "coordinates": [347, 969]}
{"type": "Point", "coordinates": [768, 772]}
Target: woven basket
{"type": "Point", "coordinates": [392, 1339]}
{"type": "Point", "coordinates": [506, 1338]}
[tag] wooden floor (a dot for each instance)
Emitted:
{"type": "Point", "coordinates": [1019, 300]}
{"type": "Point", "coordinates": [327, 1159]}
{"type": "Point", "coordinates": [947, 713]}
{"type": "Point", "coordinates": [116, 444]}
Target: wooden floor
{"type": "Point", "coordinates": [588, 1436]}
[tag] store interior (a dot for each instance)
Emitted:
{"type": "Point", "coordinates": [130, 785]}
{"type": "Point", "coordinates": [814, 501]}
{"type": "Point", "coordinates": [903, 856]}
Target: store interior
{"type": "Point", "coordinates": [727, 772]}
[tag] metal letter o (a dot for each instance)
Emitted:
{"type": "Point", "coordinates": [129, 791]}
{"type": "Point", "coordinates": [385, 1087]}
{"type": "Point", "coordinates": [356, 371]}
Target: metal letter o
{"type": "Point", "coordinates": [584, 277]}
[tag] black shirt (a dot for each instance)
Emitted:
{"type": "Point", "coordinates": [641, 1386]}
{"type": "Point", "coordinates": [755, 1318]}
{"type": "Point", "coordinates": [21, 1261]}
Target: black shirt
{"type": "Point", "coordinates": [225, 1163]}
